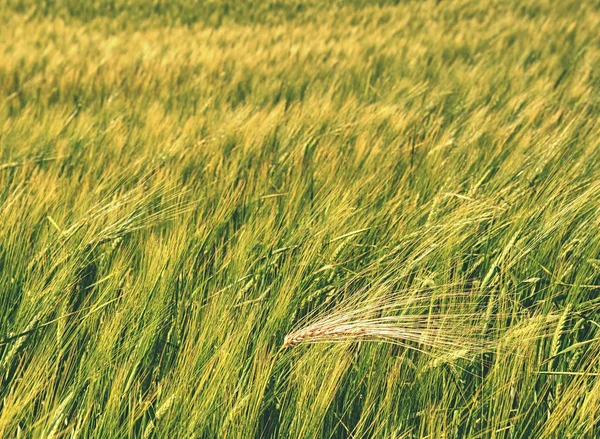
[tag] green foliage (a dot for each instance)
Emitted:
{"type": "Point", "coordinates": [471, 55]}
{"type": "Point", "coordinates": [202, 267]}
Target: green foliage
{"type": "Point", "coordinates": [182, 183]}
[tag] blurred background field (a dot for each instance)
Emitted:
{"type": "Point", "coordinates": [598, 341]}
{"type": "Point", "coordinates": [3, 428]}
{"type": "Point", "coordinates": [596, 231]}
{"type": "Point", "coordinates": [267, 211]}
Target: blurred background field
{"type": "Point", "coordinates": [182, 183]}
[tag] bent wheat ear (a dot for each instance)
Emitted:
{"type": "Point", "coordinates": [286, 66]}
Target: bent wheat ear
{"type": "Point", "coordinates": [324, 333]}
{"type": "Point", "coordinates": [421, 334]}
{"type": "Point", "coordinates": [410, 320]}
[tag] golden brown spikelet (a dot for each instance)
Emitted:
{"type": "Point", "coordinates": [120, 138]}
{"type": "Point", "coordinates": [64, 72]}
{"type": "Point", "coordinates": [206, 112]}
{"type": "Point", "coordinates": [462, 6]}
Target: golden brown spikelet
{"type": "Point", "coordinates": [407, 318]}
{"type": "Point", "coordinates": [434, 321]}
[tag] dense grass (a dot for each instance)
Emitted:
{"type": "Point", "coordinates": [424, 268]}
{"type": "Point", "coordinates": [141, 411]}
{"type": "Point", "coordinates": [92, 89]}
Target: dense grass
{"type": "Point", "coordinates": [182, 183]}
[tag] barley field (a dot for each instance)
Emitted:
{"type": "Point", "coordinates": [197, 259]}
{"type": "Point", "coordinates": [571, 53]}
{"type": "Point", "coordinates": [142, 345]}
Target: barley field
{"type": "Point", "coordinates": [299, 219]}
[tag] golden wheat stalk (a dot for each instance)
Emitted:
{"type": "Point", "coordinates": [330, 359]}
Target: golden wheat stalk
{"type": "Point", "coordinates": [437, 333]}
{"type": "Point", "coordinates": [445, 320]}
{"type": "Point", "coordinates": [423, 321]}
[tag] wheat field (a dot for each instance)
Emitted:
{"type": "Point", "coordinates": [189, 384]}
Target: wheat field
{"type": "Point", "coordinates": [299, 219]}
